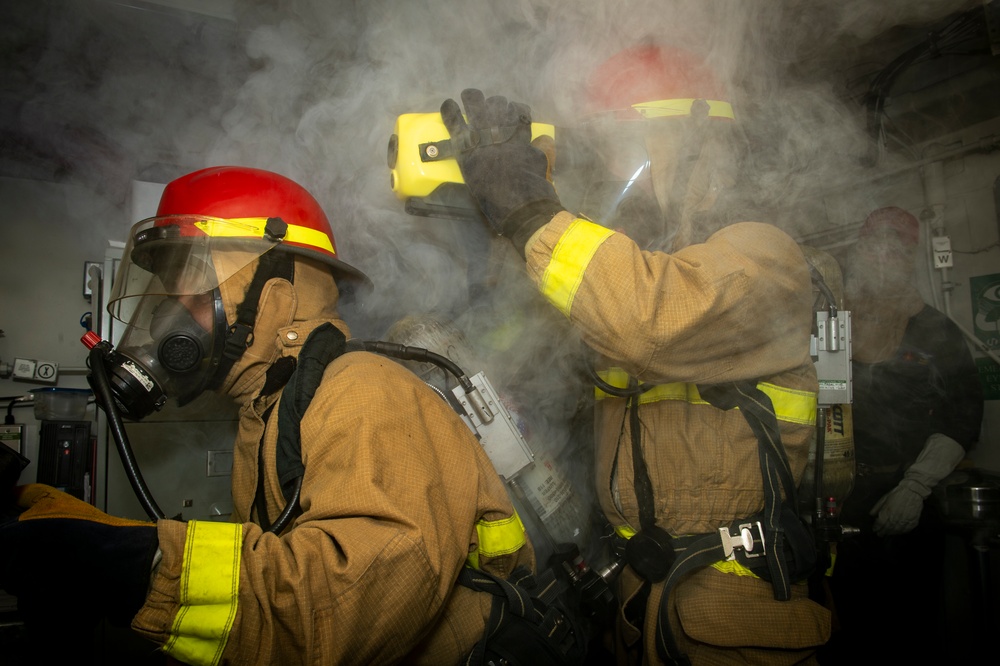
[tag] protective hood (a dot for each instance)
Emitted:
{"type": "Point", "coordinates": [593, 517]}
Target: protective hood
{"type": "Point", "coordinates": [287, 312]}
{"type": "Point", "coordinates": [658, 179]}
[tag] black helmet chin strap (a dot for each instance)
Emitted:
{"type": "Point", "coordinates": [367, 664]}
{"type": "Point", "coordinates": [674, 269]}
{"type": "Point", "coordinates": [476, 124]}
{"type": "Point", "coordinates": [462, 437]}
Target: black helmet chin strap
{"type": "Point", "coordinates": [239, 337]}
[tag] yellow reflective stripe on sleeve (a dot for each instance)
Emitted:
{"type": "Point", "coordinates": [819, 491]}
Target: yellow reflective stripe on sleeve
{"type": "Point", "coordinates": [498, 537]}
{"type": "Point", "coordinates": [253, 227]}
{"type": "Point", "coordinates": [570, 258]}
{"type": "Point", "coordinates": [666, 108]}
{"type": "Point", "coordinates": [209, 592]}
{"type": "Point", "coordinates": [790, 405]}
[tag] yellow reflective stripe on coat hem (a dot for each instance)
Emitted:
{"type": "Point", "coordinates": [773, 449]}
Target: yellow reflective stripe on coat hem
{"type": "Point", "coordinates": [790, 405]}
{"type": "Point", "coordinates": [733, 568]}
{"type": "Point", "coordinates": [570, 258]}
{"type": "Point", "coordinates": [209, 592]}
{"type": "Point", "coordinates": [498, 537]}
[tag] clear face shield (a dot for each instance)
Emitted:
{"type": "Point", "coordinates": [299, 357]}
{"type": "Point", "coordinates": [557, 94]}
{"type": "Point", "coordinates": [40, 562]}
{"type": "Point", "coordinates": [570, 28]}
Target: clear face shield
{"type": "Point", "coordinates": [167, 295]}
{"type": "Point", "coordinates": [653, 173]}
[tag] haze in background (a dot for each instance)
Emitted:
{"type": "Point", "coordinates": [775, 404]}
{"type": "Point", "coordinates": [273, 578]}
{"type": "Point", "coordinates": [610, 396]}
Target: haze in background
{"type": "Point", "coordinates": [106, 92]}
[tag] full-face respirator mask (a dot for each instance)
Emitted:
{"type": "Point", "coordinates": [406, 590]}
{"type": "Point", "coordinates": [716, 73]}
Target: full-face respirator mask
{"type": "Point", "coordinates": [168, 297]}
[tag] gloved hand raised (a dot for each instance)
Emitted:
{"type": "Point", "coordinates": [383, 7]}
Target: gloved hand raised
{"type": "Point", "coordinates": [61, 554]}
{"type": "Point", "coordinates": [899, 510]}
{"type": "Point", "coordinates": [504, 172]}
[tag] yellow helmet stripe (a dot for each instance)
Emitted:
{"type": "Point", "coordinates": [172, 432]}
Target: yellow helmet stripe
{"type": "Point", "coordinates": [666, 108]}
{"type": "Point", "coordinates": [253, 227]}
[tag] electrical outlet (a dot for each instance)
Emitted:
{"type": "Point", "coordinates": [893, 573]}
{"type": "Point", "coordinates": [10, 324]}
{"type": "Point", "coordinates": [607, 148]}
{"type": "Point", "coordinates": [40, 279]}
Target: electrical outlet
{"type": "Point", "coordinates": [33, 370]}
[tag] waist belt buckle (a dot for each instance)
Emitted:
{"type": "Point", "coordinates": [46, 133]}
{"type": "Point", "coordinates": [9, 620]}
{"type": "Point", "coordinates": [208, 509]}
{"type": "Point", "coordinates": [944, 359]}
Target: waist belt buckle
{"type": "Point", "coordinates": [749, 539]}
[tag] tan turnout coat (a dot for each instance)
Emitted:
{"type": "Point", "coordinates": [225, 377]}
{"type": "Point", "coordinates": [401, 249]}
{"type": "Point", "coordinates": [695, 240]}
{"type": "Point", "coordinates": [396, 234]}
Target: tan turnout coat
{"type": "Point", "coordinates": [736, 307]}
{"type": "Point", "coordinates": [394, 486]}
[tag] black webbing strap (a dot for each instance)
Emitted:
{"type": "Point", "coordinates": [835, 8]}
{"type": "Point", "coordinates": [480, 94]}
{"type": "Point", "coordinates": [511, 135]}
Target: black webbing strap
{"type": "Point", "coordinates": [274, 380]}
{"type": "Point", "coordinates": [699, 553]}
{"type": "Point", "coordinates": [702, 550]}
{"type": "Point", "coordinates": [775, 471]}
{"type": "Point", "coordinates": [259, 498]}
{"type": "Point", "coordinates": [640, 471]}
{"type": "Point", "coordinates": [324, 344]}
{"type": "Point", "coordinates": [506, 598]}
{"type": "Point", "coordinates": [298, 380]}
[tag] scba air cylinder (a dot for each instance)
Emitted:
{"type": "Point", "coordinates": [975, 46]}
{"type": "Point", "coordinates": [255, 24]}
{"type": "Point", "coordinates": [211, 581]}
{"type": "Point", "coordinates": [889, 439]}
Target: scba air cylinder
{"type": "Point", "coordinates": [838, 459]}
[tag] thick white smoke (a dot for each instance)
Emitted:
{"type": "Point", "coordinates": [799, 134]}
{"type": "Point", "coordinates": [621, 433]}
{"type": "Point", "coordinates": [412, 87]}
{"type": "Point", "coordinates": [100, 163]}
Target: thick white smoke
{"type": "Point", "coordinates": [312, 88]}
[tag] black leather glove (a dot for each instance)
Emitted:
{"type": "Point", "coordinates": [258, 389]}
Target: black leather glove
{"type": "Point", "coordinates": [504, 172]}
{"type": "Point", "coordinates": [67, 561]}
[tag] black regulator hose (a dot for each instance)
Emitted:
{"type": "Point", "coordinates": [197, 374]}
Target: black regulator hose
{"type": "Point", "coordinates": [628, 392]}
{"type": "Point", "coordinates": [291, 508]}
{"type": "Point", "coordinates": [406, 353]}
{"type": "Point", "coordinates": [105, 397]}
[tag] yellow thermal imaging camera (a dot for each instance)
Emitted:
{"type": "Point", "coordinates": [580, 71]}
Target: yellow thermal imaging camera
{"type": "Point", "coordinates": [423, 172]}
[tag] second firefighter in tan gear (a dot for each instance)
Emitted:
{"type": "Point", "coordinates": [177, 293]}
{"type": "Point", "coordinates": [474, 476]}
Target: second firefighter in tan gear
{"type": "Point", "coordinates": [731, 301]}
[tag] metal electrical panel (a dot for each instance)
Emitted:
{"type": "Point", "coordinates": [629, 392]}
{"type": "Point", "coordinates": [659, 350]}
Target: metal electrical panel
{"type": "Point", "coordinates": [66, 457]}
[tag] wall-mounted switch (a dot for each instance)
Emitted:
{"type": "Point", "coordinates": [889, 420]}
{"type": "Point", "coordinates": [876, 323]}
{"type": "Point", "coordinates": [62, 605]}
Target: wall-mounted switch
{"type": "Point", "coordinates": [220, 463]}
{"type": "Point", "coordinates": [33, 370]}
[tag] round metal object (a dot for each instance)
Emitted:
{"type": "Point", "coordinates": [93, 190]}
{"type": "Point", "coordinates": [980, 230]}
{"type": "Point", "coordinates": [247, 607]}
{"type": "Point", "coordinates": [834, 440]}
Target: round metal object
{"type": "Point", "coordinates": [974, 501]}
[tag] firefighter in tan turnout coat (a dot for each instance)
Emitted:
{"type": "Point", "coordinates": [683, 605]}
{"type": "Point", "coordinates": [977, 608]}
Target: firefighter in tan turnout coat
{"type": "Point", "coordinates": [395, 495]}
{"type": "Point", "coordinates": [719, 301]}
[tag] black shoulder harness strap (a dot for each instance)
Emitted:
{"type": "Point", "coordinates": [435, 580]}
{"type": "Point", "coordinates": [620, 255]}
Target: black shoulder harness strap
{"type": "Point", "coordinates": [324, 344]}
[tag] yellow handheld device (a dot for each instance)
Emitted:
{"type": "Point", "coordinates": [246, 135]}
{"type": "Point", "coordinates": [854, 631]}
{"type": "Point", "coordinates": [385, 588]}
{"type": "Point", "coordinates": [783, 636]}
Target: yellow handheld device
{"type": "Point", "coordinates": [423, 172]}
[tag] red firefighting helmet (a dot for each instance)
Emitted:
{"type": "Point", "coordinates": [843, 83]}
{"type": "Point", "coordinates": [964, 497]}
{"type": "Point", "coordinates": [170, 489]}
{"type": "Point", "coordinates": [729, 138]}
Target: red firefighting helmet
{"type": "Point", "coordinates": [210, 226]}
{"type": "Point", "coordinates": [891, 218]}
{"type": "Point", "coordinates": [251, 197]}
{"type": "Point", "coordinates": [655, 82]}
{"type": "Point", "coordinates": [660, 120]}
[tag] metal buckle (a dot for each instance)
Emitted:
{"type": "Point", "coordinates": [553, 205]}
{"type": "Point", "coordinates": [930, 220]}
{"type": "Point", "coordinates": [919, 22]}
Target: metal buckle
{"type": "Point", "coordinates": [750, 539]}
